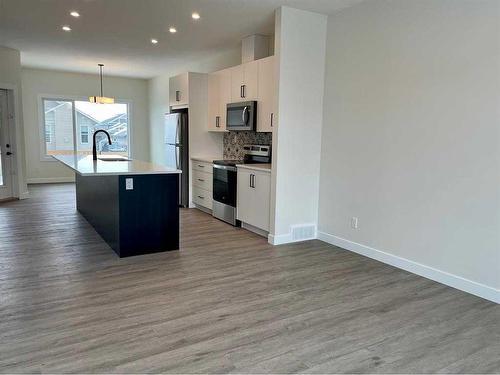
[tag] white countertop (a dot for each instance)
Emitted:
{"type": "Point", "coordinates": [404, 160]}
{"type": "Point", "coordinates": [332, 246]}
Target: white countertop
{"type": "Point", "coordinates": [85, 166]}
{"type": "Point", "coordinates": [256, 167]}
{"type": "Point", "coordinates": [206, 159]}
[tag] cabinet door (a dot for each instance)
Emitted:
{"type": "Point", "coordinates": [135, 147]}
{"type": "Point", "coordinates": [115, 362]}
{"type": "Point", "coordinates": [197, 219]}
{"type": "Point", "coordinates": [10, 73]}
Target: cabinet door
{"type": "Point", "coordinates": [251, 81]}
{"type": "Point", "coordinates": [224, 95]}
{"type": "Point", "coordinates": [245, 196]}
{"type": "Point", "coordinates": [253, 200]}
{"type": "Point", "coordinates": [213, 102]}
{"type": "Point", "coordinates": [265, 108]}
{"type": "Point", "coordinates": [262, 190]}
{"type": "Point", "coordinates": [237, 82]}
{"type": "Point", "coordinates": [179, 90]}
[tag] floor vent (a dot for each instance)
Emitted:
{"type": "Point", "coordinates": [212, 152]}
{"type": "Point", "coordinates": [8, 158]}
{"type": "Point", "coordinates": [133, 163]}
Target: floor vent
{"type": "Point", "coordinates": [303, 232]}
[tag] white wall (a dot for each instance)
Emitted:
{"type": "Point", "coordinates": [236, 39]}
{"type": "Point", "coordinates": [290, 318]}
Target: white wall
{"type": "Point", "coordinates": [410, 140]}
{"type": "Point", "coordinates": [10, 79]}
{"type": "Point", "coordinates": [158, 94]}
{"type": "Point", "coordinates": [38, 82]}
{"type": "Point", "coordinates": [300, 39]}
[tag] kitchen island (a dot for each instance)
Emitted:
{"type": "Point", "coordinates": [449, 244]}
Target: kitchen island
{"type": "Point", "coordinates": [133, 205]}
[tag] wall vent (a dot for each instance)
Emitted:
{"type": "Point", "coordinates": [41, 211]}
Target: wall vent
{"type": "Point", "coordinates": [303, 232]}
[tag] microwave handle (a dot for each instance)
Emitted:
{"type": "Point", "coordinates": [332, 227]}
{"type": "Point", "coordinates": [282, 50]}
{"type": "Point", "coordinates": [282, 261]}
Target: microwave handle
{"type": "Point", "coordinates": [244, 116]}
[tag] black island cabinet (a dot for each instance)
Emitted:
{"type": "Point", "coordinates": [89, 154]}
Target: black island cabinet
{"type": "Point", "coordinates": [135, 213]}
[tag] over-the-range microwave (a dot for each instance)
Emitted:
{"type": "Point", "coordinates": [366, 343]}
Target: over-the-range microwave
{"type": "Point", "coordinates": [241, 116]}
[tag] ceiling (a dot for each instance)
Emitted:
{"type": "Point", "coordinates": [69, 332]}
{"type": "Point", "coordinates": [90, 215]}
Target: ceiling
{"type": "Point", "coordinates": [118, 32]}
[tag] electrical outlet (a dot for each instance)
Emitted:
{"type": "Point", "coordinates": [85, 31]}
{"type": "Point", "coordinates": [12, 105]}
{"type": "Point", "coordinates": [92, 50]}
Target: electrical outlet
{"type": "Point", "coordinates": [354, 222]}
{"type": "Point", "coordinates": [129, 184]}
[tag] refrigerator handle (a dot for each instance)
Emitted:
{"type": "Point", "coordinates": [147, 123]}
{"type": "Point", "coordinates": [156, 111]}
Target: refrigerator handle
{"type": "Point", "coordinates": [177, 157]}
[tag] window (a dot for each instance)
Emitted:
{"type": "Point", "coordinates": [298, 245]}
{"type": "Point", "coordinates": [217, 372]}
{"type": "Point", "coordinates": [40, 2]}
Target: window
{"type": "Point", "coordinates": [84, 134]}
{"type": "Point", "coordinates": [70, 124]}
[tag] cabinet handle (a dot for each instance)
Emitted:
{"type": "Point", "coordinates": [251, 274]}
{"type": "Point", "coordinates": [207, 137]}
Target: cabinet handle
{"type": "Point", "coordinates": [177, 96]}
{"type": "Point", "coordinates": [244, 91]}
{"type": "Point", "coordinates": [241, 91]}
{"type": "Point", "coordinates": [201, 180]}
{"type": "Point", "coordinates": [272, 118]}
{"type": "Point", "coordinates": [217, 121]}
{"type": "Point", "coordinates": [201, 166]}
{"type": "Point", "coordinates": [252, 181]}
{"type": "Point", "coordinates": [199, 196]}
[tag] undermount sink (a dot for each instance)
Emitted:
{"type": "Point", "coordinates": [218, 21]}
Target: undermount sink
{"type": "Point", "coordinates": [113, 158]}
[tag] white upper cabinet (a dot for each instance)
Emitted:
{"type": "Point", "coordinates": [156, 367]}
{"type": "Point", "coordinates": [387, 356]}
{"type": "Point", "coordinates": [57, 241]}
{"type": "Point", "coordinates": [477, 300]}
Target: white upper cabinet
{"type": "Point", "coordinates": [219, 94]}
{"type": "Point", "coordinates": [244, 82]}
{"type": "Point", "coordinates": [179, 90]}
{"type": "Point", "coordinates": [266, 113]}
{"type": "Point", "coordinates": [213, 102]}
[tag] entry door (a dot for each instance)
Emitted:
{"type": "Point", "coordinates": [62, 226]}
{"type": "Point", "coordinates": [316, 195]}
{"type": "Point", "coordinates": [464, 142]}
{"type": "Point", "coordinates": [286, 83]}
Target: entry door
{"type": "Point", "coordinates": [5, 149]}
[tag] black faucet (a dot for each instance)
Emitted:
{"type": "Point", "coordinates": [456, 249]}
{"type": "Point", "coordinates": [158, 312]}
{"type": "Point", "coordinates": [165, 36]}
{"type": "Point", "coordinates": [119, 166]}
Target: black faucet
{"type": "Point", "coordinates": [94, 152]}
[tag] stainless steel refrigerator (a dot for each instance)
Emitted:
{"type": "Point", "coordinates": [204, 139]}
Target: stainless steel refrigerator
{"type": "Point", "coordinates": [176, 150]}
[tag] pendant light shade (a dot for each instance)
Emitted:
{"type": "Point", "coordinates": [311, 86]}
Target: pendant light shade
{"type": "Point", "coordinates": [101, 99]}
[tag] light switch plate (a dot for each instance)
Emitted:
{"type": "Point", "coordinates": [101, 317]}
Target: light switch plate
{"type": "Point", "coordinates": [129, 184]}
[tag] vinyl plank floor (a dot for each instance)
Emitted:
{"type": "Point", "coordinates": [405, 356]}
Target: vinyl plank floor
{"type": "Point", "coordinates": [228, 302]}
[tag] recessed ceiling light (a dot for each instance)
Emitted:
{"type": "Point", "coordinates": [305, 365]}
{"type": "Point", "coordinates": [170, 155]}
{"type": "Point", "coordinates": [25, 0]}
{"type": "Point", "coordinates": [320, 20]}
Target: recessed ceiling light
{"type": "Point", "coordinates": [75, 14]}
{"type": "Point", "coordinates": [195, 16]}
{"type": "Point", "coordinates": [66, 28]}
{"type": "Point", "coordinates": [172, 30]}
{"type": "Point", "coordinates": [154, 41]}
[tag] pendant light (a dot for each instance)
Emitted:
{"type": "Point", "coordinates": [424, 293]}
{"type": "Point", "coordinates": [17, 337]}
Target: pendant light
{"type": "Point", "coordinates": [101, 99]}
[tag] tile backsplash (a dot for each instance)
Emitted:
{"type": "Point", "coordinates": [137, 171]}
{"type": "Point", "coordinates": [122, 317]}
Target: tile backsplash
{"type": "Point", "coordinates": [234, 142]}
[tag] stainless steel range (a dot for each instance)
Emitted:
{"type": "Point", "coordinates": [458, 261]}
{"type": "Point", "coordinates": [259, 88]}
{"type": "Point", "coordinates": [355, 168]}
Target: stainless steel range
{"type": "Point", "coordinates": [224, 181]}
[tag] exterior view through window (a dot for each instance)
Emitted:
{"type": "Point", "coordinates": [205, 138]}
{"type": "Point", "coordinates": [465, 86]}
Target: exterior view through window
{"type": "Point", "coordinates": [68, 122]}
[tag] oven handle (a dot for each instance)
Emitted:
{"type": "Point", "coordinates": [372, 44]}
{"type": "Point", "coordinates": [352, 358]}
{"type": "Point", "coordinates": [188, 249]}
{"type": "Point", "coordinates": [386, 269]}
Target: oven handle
{"type": "Point", "coordinates": [225, 167]}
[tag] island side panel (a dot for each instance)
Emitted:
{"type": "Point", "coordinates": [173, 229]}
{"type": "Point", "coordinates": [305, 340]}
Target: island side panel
{"type": "Point", "coordinates": [149, 214]}
{"type": "Point", "coordinates": [97, 200]}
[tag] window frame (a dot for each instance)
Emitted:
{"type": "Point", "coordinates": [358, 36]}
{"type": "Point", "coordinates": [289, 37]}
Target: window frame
{"type": "Point", "coordinates": [82, 134]}
{"type": "Point", "coordinates": [68, 98]}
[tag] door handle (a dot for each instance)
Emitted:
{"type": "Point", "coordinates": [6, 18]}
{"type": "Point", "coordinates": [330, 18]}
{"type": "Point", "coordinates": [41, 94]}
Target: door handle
{"type": "Point", "coordinates": [199, 196]}
{"type": "Point", "coordinates": [8, 153]}
{"type": "Point", "coordinates": [201, 180]}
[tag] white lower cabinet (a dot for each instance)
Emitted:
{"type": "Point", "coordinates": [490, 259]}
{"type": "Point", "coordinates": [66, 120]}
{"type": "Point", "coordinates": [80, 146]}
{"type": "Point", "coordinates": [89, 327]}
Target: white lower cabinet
{"type": "Point", "coordinates": [202, 177]}
{"type": "Point", "coordinates": [253, 197]}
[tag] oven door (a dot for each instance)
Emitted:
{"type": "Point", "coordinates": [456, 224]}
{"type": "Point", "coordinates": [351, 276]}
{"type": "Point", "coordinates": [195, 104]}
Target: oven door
{"type": "Point", "coordinates": [224, 184]}
{"type": "Point", "coordinates": [241, 116]}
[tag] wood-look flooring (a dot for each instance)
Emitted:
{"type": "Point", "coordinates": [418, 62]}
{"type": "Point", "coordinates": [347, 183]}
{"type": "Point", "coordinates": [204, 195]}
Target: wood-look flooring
{"type": "Point", "coordinates": [227, 302]}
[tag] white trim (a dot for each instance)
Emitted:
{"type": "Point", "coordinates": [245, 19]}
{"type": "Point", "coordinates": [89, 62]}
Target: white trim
{"type": "Point", "coordinates": [457, 282]}
{"type": "Point", "coordinates": [50, 180]}
{"type": "Point", "coordinates": [24, 195]}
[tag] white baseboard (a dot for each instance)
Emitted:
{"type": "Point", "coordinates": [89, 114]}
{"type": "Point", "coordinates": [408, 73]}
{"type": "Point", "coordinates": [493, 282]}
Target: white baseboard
{"type": "Point", "coordinates": [434, 274]}
{"type": "Point", "coordinates": [279, 239]}
{"type": "Point", "coordinates": [50, 180]}
{"type": "Point", "coordinates": [24, 195]}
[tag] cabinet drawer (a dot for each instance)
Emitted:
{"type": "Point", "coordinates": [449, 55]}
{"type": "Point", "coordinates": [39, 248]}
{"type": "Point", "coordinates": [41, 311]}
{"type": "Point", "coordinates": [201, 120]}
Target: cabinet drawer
{"type": "Point", "coordinates": [202, 197]}
{"type": "Point", "coordinates": [203, 180]}
{"type": "Point", "coordinates": [202, 166]}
